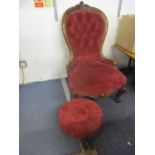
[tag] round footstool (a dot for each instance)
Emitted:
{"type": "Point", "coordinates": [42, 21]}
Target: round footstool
{"type": "Point", "coordinates": [80, 118]}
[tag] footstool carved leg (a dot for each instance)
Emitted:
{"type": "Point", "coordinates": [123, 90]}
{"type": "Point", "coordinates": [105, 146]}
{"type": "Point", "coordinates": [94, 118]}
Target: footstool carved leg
{"type": "Point", "coordinates": [84, 144]}
{"type": "Point", "coordinates": [85, 149]}
{"type": "Point", "coordinates": [119, 93]}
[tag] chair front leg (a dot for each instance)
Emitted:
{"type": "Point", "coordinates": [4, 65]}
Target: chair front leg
{"type": "Point", "coordinates": [119, 93]}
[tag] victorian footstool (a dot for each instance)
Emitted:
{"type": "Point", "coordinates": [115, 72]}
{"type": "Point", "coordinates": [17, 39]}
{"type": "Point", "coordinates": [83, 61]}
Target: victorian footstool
{"type": "Point", "coordinates": [81, 118]}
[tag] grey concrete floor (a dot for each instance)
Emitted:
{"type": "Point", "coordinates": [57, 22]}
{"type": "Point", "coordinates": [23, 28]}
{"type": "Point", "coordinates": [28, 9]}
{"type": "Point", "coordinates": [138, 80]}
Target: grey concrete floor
{"type": "Point", "coordinates": [117, 135]}
{"type": "Point", "coordinates": [40, 133]}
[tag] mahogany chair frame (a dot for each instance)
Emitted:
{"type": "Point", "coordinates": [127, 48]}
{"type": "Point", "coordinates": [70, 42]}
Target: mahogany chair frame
{"type": "Point", "coordinates": [80, 6]}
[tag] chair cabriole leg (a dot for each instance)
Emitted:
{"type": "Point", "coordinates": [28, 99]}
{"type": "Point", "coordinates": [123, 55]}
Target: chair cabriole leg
{"type": "Point", "coordinates": [119, 93]}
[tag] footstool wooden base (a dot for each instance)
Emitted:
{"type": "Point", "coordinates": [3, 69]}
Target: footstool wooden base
{"type": "Point", "coordinates": [88, 152]}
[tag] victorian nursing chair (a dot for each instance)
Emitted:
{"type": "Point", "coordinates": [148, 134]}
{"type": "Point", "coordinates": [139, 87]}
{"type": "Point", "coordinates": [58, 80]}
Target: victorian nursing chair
{"type": "Point", "coordinates": [90, 74]}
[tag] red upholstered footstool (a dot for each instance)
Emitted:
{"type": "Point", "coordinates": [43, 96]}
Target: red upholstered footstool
{"type": "Point", "coordinates": [80, 118]}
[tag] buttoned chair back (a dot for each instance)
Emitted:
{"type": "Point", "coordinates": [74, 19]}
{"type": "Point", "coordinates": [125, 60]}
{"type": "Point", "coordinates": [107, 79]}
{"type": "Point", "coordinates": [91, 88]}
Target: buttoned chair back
{"type": "Point", "coordinates": [85, 29]}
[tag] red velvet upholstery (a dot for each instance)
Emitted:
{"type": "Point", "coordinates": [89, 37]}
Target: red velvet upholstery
{"type": "Point", "coordinates": [85, 30]}
{"type": "Point", "coordinates": [94, 78]}
{"type": "Point", "coordinates": [80, 118]}
{"type": "Point", "coordinates": [89, 74]}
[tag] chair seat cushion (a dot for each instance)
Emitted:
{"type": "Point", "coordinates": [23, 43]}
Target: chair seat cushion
{"type": "Point", "coordinates": [80, 118]}
{"type": "Point", "coordinates": [94, 78]}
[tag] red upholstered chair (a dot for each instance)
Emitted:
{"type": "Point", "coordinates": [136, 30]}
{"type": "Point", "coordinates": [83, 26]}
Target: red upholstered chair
{"type": "Point", "coordinates": [89, 72]}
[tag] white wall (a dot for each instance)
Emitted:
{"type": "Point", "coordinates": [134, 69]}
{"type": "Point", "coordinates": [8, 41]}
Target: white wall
{"type": "Point", "coordinates": [41, 40]}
